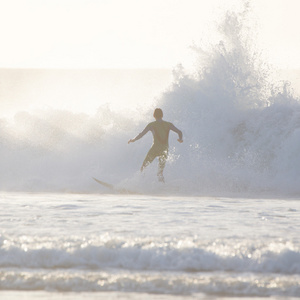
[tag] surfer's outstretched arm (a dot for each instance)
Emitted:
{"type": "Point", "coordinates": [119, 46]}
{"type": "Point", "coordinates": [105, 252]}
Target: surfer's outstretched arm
{"type": "Point", "coordinates": [175, 129]}
{"type": "Point", "coordinates": [140, 135]}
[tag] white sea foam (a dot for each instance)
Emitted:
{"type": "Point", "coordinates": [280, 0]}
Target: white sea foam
{"type": "Point", "coordinates": [154, 283]}
{"type": "Point", "coordinates": [150, 254]}
{"type": "Point", "coordinates": [149, 265]}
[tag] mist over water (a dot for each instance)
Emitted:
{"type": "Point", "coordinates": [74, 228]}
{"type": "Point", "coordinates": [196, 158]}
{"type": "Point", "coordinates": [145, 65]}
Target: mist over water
{"type": "Point", "coordinates": [241, 133]}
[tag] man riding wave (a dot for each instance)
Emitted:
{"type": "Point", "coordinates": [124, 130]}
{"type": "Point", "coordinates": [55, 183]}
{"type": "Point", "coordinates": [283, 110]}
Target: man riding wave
{"type": "Point", "coordinates": [160, 130]}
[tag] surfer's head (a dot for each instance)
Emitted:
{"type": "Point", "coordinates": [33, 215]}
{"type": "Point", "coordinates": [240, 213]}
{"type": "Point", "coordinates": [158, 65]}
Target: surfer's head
{"type": "Point", "coordinates": [158, 113]}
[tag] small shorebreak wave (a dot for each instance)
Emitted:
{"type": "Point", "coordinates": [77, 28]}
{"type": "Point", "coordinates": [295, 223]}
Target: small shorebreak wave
{"type": "Point", "coordinates": [149, 254]}
{"type": "Point", "coordinates": [171, 266]}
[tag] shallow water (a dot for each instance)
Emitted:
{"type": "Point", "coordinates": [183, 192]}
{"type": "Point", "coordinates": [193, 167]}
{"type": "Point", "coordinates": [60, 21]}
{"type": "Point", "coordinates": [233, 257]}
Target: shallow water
{"type": "Point", "coordinates": [133, 247]}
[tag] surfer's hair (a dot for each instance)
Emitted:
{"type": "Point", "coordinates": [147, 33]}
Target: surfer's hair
{"type": "Point", "coordinates": [158, 113]}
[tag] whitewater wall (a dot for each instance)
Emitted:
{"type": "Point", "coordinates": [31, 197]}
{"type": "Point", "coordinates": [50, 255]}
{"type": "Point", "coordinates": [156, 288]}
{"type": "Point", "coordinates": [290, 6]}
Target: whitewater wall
{"type": "Point", "coordinates": [241, 133]}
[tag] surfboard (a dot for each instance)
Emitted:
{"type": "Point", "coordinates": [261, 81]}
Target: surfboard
{"type": "Point", "coordinates": [114, 188]}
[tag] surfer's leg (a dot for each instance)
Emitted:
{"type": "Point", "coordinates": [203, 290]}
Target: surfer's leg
{"type": "Point", "coordinates": [161, 165]}
{"type": "Point", "coordinates": [148, 159]}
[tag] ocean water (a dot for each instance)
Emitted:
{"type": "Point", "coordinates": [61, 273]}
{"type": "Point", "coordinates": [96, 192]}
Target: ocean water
{"type": "Point", "coordinates": [224, 225]}
{"type": "Point", "coordinates": [148, 247]}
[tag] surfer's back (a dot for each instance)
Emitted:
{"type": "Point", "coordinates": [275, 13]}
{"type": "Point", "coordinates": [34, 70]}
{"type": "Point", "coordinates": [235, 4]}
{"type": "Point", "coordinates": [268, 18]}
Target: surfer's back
{"type": "Point", "coordinates": [160, 130]}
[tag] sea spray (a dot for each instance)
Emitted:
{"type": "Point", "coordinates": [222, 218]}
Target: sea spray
{"type": "Point", "coordinates": [57, 150]}
{"type": "Point", "coordinates": [241, 133]}
{"type": "Point", "coordinates": [238, 126]}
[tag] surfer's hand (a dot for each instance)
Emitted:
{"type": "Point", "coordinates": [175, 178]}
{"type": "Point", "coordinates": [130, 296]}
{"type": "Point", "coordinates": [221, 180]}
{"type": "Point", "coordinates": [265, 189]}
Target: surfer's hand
{"type": "Point", "coordinates": [180, 141]}
{"type": "Point", "coordinates": [130, 141]}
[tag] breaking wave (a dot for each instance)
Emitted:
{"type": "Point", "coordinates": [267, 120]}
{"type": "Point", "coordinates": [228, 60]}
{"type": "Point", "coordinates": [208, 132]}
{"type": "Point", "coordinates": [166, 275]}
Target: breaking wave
{"type": "Point", "coordinates": [241, 133]}
{"type": "Point", "coordinates": [171, 266]}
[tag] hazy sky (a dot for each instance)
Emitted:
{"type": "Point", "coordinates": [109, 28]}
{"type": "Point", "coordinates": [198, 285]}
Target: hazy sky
{"type": "Point", "coordinates": [132, 33]}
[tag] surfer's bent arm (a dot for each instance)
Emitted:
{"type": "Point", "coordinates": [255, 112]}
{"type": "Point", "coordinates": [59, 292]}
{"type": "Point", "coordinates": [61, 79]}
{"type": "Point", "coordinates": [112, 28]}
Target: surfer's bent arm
{"type": "Point", "coordinates": [175, 129]}
{"type": "Point", "coordinates": [140, 135]}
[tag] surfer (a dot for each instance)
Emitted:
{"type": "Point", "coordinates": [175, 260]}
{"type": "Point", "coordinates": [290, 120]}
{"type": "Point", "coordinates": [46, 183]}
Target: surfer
{"type": "Point", "coordinates": [160, 147]}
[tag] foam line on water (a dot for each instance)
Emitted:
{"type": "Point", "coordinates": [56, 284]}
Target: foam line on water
{"type": "Point", "coordinates": [220, 284]}
{"type": "Point", "coordinates": [150, 254]}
